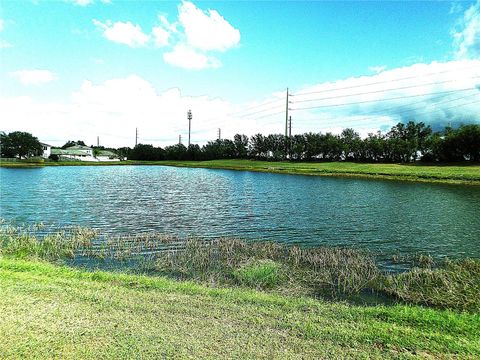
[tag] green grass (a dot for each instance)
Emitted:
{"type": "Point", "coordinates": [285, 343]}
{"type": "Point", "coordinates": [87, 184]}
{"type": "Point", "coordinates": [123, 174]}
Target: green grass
{"type": "Point", "coordinates": [49, 311]}
{"type": "Point", "coordinates": [462, 174]}
{"type": "Point", "coordinates": [264, 274]}
{"type": "Point", "coordinates": [455, 174]}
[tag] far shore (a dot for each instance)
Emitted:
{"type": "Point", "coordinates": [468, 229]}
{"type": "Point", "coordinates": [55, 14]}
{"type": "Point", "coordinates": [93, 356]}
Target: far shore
{"type": "Point", "coordinates": [466, 174]}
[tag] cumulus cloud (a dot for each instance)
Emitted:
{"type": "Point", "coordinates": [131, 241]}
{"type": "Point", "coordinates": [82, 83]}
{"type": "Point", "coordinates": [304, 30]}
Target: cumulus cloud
{"type": "Point", "coordinates": [161, 36]}
{"type": "Point", "coordinates": [188, 58]}
{"type": "Point", "coordinates": [206, 30]}
{"type": "Point", "coordinates": [188, 42]}
{"type": "Point", "coordinates": [467, 34]}
{"type": "Point", "coordinates": [123, 33]}
{"type": "Point", "coordinates": [113, 109]}
{"type": "Point", "coordinates": [34, 77]}
{"type": "Point", "coordinates": [436, 93]}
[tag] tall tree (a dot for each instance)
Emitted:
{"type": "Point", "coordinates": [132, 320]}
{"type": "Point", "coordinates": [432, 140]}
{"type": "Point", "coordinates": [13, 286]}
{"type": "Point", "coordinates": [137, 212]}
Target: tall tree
{"type": "Point", "coordinates": [20, 144]}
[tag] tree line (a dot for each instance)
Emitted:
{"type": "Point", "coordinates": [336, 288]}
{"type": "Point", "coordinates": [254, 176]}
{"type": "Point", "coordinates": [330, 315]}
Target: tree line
{"type": "Point", "coordinates": [403, 143]}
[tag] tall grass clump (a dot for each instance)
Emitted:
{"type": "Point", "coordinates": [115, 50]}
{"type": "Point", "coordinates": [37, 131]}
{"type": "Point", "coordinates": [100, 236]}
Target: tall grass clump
{"type": "Point", "coordinates": [313, 271]}
{"type": "Point", "coordinates": [28, 243]}
{"type": "Point", "coordinates": [451, 284]}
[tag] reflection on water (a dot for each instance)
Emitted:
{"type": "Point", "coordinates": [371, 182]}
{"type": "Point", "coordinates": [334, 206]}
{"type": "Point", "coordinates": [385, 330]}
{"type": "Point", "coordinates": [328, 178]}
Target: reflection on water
{"type": "Point", "coordinates": [386, 217]}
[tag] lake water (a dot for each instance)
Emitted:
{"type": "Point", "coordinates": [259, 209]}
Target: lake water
{"type": "Point", "coordinates": [386, 217]}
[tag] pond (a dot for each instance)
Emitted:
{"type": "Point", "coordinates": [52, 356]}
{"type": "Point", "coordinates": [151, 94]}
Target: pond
{"type": "Point", "coordinates": [385, 217]}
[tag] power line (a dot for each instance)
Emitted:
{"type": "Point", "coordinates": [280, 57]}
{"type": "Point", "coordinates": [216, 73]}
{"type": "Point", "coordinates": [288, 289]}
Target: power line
{"type": "Point", "coordinates": [260, 111]}
{"type": "Point", "coordinates": [264, 116]}
{"type": "Point", "coordinates": [381, 82]}
{"type": "Point", "coordinates": [388, 99]}
{"type": "Point", "coordinates": [380, 91]}
{"type": "Point", "coordinates": [254, 107]}
{"type": "Point", "coordinates": [368, 117]}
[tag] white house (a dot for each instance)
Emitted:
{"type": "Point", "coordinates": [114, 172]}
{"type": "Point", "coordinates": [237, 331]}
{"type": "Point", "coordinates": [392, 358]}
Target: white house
{"type": "Point", "coordinates": [47, 150]}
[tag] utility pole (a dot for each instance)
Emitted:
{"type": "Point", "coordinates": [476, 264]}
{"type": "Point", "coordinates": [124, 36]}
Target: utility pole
{"type": "Point", "coordinates": [219, 134]}
{"type": "Point", "coordinates": [286, 126]}
{"type": "Point", "coordinates": [136, 136]}
{"type": "Point", "coordinates": [290, 126]}
{"type": "Point", "coordinates": [189, 116]}
{"type": "Point", "coordinates": [286, 116]}
{"type": "Point", "coordinates": [98, 141]}
{"type": "Point", "coordinates": [179, 139]}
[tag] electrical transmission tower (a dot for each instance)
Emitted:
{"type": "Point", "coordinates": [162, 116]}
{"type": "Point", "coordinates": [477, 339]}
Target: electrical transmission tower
{"type": "Point", "coordinates": [179, 139]}
{"type": "Point", "coordinates": [136, 136]}
{"type": "Point", "coordinates": [219, 133]}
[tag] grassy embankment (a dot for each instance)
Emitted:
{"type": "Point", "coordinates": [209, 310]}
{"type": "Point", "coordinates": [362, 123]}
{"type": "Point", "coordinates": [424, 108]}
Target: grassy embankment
{"type": "Point", "coordinates": [56, 312]}
{"type": "Point", "coordinates": [456, 174]}
{"type": "Point", "coordinates": [52, 311]}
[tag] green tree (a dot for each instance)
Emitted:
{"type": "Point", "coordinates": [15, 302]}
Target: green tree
{"type": "Point", "coordinates": [73, 143]}
{"type": "Point", "coordinates": [20, 144]}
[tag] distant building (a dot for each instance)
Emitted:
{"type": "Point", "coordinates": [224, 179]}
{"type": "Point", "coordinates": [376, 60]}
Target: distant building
{"type": "Point", "coordinates": [47, 150]}
{"type": "Point", "coordinates": [84, 153]}
{"type": "Point", "coordinates": [77, 152]}
{"type": "Point", "coordinates": [105, 155]}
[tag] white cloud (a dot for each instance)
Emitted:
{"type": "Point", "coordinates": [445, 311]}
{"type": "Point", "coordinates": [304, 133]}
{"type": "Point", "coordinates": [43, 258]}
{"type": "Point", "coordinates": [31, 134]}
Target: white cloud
{"type": "Point", "coordinates": [113, 109]}
{"type": "Point", "coordinates": [160, 36]}
{"type": "Point", "coordinates": [467, 34]}
{"type": "Point", "coordinates": [207, 30]}
{"type": "Point", "coordinates": [123, 33]}
{"type": "Point", "coordinates": [87, 2]}
{"type": "Point", "coordinates": [34, 77]}
{"type": "Point", "coordinates": [188, 58]}
{"type": "Point", "coordinates": [188, 40]}
{"type": "Point", "coordinates": [433, 93]}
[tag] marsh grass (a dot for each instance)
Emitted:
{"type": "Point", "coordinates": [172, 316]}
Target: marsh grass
{"type": "Point", "coordinates": [326, 272]}
{"type": "Point", "coordinates": [452, 284]}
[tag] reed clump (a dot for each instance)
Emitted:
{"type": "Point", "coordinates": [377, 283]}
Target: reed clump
{"type": "Point", "coordinates": [451, 284]}
{"type": "Point", "coordinates": [314, 271]}
{"type": "Point", "coordinates": [23, 242]}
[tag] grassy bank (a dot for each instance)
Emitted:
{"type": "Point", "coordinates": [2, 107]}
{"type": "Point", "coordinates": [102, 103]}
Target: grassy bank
{"type": "Point", "coordinates": [329, 273]}
{"type": "Point", "coordinates": [456, 174]}
{"type": "Point", "coordinates": [56, 312]}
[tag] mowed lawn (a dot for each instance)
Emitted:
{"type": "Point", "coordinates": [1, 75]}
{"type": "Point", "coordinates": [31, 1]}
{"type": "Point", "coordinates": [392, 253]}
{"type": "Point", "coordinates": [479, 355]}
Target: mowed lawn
{"type": "Point", "coordinates": [456, 174]}
{"type": "Point", "coordinates": [443, 173]}
{"type": "Point", "coordinates": [48, 312]}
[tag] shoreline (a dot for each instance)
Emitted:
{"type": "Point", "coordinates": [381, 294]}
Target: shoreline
{"type": "Point", "coordinates": [464, 174]}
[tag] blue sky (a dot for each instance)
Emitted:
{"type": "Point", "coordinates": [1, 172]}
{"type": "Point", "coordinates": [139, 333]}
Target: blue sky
{"type": "Point", "coordinates": [73, 65]}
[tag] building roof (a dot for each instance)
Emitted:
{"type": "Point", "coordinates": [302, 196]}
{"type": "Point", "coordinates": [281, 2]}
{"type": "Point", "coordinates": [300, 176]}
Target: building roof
{"type": "Point", "coordinates": [44, 144]}
{"type": "Point", "coordinates": [106, 153]}
{"type": "Point", "coordinates": [79, 147]}
{"type": "Point", "coordinates": [68, 152]}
